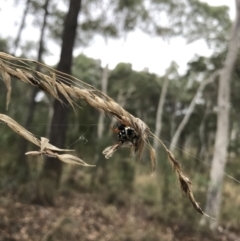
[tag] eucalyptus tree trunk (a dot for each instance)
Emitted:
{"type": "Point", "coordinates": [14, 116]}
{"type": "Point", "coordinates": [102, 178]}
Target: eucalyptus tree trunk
{"type": "Point", "coordinates": [214, 194]}
{"type": "Point", "coordinates": [22, 25]}
{"type": "Point", "coordinates": [202, 132]}
{"type": "Point", "coordinates": [51, 172]}
{"type": "Point", "coordinates": [100, 129]}
{"type": "Point", "coordinates": [104, 90]}
{"type": "Point", "coordinates": [158, 125]}
{"type": "Point", "coordinates": [190, 110]}
{"type": "Point", "coordinates": [23, 144]}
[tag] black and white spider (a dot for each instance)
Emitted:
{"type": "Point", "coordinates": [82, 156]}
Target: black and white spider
{"type": "Point", "coordinates": [126, 133]}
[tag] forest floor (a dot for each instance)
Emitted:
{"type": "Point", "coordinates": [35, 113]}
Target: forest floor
{"type": "Point", "coordinates": [86, 217]}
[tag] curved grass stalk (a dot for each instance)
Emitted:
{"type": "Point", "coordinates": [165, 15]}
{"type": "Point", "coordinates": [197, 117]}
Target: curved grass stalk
{"type": "Point", "coordinates": [56, 83]}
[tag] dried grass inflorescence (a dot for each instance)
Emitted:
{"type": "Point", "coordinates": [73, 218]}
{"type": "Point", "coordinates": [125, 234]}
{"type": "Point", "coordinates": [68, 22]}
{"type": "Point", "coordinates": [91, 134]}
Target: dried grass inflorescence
{"type": "Point", "coordinates": [58, 84]}
{"type": "Point", "coordinates": [44, 145]}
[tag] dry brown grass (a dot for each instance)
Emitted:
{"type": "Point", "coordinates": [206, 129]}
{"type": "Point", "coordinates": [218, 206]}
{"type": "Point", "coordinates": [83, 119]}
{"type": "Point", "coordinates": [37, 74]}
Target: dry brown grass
{"type": "Point", "coordinates": [55, 84]}
{"type": "Point", "coordinates": [44, 145]}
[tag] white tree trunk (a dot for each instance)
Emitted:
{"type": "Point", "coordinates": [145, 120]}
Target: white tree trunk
{"type": "Point", "coordinates": [202, 133]}
{"type": "Point", "coordinates": [214, 194]}
{"type": "Point", "coordinates": [104, 90]}
{"type": "Point", "coordinates": [190, 111]}
{"type": "Point", "coordinates": [158, 125]}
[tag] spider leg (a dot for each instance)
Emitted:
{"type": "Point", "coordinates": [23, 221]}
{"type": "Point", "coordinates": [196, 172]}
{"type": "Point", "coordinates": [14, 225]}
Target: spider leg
{"type": "Point", "coordinates": [116, 130]}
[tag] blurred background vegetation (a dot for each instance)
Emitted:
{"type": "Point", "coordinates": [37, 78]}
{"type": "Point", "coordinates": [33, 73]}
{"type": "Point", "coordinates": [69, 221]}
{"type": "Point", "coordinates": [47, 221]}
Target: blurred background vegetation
{"type": "Point", "coordinates": [119, 199]}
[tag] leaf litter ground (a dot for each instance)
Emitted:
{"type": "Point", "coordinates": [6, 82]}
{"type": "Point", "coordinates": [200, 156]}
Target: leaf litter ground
{"type": "Point", "coordinates": [86, 217]}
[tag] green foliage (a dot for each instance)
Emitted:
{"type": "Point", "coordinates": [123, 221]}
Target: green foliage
{"type": "Point", "coordinates": [206, 18]}
{"type": "Point", "coordinates": [87, 69]}
{"type": "Point", "coordinates": [191, 19]}
{"type": "Point", "coordinates": [56, 23]}
{"type": "Point", "coordinates": [4, 45]}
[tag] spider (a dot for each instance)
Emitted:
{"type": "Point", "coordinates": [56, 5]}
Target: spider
{"type": "Point", "coordinates": [125, 133]}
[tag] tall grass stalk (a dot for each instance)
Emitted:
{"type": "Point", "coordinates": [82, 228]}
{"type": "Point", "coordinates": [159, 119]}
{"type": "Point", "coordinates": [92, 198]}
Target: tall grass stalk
{"type": "Point", "coordinates": [56, 83]}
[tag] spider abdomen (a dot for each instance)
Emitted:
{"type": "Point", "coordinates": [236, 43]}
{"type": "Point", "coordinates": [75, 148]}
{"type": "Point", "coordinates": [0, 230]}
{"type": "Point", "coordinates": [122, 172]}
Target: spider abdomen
{"type": "Point", "coordinates": [127, 134]}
